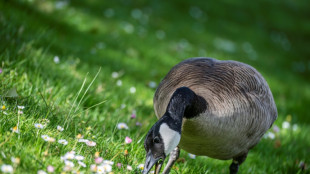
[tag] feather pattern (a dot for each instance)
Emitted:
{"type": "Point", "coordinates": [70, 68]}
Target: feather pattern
{"type": "Point", "coordinates": [240, 106]}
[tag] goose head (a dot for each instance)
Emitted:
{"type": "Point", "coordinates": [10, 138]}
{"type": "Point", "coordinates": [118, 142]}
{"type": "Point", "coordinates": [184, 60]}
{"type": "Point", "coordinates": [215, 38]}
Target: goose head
{"type": "Point", "coordinates": [161, 139]}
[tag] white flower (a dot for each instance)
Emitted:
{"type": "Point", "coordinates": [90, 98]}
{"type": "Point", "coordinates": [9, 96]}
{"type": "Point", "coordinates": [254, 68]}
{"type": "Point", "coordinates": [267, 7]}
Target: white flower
{"type": "Point", "coordinates": [132, 90]}
{"type": "Point", "coordinates": [129, 167]}
{"type": "Point", "coordinates": [60, 128]}
{"type": "Point", "coordinates": [141, 166]}
{"type": "Point", "coordinates": [119, 83]}
{"type": "Point", "coordinates": [285, 125]}
{"type": "Point", "coordinates": [69, 156]}
{"type": "Point", "coordinates": [21, 107]}
{"type": "Point", "coordinates": [108, 162]}
{"type": "Point", "coordinates": [6, 168]}
{"type": "Point", "coordinates": [295, 127]}
{"type": "Point", "coordinates": [104, 168]}
{"type": "Point", "coordinates": [93, 167]}
{"type": "Point", "coordinates": [45, 137]}
{"type": "Point", "coordinates": [192, 156]}
{"type": "Point", "coordinates": [15, 129]}
{"type": "Point", "coordinates": [69, 163]}
{"type": "Point", "coordinates": [271, 135]}
{"type": "Point", "coordinates": [82, 164]}
{"type": "Point", "coordinates": [91, 143]}
{"type": "Point", "coordinates": [56, 59]}
{"type": "Point", "coordinates": [63, 141]}
{"type": "Point", "coordinates": [83, 140]}
{"type": "Point", "coordinates": [152, 84]}
{"type": "Point", "coordinates": [115, 75]}
{"type": "Point", "coordinates": [276, 129]}
{"type": "Point", "coordinates": [79, 157]}
{"type": "Point", "coordinates": [39, 126]}
{"type": "Point", "coordinates": [122, 126]}
{"type": "Point", "coordinates": [15, 160]}
{"type": "Point", "coordinates": [41, 172]}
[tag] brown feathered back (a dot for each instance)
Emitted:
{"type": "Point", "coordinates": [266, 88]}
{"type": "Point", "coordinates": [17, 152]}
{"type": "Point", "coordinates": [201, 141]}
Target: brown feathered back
{"type": "Point", "coordinates": [240, 105]}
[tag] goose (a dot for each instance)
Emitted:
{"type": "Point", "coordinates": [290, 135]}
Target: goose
{"type": "Point", "coordinates": [209, 107]}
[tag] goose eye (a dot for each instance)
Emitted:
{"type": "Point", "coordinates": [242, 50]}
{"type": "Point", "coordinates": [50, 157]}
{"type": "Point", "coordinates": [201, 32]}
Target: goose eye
{"type": "Point", "coordinates": [156, 140]}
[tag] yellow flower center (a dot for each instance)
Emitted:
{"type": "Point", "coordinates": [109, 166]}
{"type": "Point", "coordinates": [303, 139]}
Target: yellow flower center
{"type": "Point", "coordinates": [3, 107]}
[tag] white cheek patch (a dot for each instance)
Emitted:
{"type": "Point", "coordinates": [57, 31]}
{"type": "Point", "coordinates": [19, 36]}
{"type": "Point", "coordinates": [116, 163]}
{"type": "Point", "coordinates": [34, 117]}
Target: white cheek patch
{"type": "Point", "coordinates": [171, 138]}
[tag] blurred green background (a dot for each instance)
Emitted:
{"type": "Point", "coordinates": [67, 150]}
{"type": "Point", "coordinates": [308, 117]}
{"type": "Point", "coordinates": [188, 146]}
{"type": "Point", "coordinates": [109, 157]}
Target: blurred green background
{"type": "Point", "coordinates": [141, 40]}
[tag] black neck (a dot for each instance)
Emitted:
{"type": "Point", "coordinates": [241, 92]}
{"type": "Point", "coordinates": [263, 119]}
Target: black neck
{"type": "Point", "coordinates": [184, 103]}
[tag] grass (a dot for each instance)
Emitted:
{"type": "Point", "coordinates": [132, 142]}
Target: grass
{"type": "Point", "coordinates": [141, 41]}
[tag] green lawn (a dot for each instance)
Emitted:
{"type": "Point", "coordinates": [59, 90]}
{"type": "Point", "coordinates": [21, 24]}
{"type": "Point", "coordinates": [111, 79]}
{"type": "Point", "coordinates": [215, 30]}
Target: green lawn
{"type": "Point", "coordinates": [89, 65]}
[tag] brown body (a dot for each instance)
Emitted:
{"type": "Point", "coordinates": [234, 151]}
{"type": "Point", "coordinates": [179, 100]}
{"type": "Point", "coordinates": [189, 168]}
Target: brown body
{"type": "Point", "coordinates": [240, 106]}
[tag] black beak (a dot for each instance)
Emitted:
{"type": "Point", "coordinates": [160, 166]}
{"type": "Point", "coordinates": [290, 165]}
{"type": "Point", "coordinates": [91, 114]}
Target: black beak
{"type": "Point", "coordinates": [150, 162]}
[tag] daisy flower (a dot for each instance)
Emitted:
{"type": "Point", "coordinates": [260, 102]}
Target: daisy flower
{"type": "Point", "coordinates": [82, 164]}
{"type": "Point", "coordinates": [45, 137]}
{"type": "Point", "coordinates": [119, 83]}
{"type": "Point", "coordinates": [83, 140]}
{"type": "Point", "coordinates": [192, 156]}
{"type": "Point", "coordinates": [21, 107]}
{"type": "Point", "coordinates": [93, 168]}
{"type": "Point", "coordinates": [79, 157]}
{"type": "Point", "coordinates": [115, 75]}
{"type": "Point", "coordinates": [41, 172]}
{"type": "Point", "coordinates": [56, 59]}
{"type": "Point", "coordinates": [271, 135]}
{"type": "Point", "coordinates": [91, 143]}
{"type": "Point", "coordinates": [133, 116]}
{"type": "Point", "coordinates": [285, 125]}
{"type": "Point", "coordinates": [119, 165]}
{"type": "Point", "coordinates": [63, 141]}
{"type": "Point", "coordinates": [15, 160]}
{"type": "Point", "coordinates": [69, 156]}
{"type": "Point", "coordinates": [129, 167]}
{"type": "Point", "coordinates": [15, 129]}
{"type": "Point", "coordinates": [108, 162]}
{"type": "Point", "coordinates": [79, 136]}
{"type": "Point", "coordinates": [39, 126]}
{"type": "Point", "coordinates": [69, 163]}
{"type": "Point", "coordinates": [50, 169]}
{"type": "Point", "coordinates": [104, 168]}
{"type": "Point", "coordinates": [141, 166]}
{"type": "Point", "coordinates": [59, 128]}
{"type": "Point", "coordinates": [276, 129]}
{"type": "Point", "coordinates": [128, 140]}
{"type": "Point", "coordinates": [138, 124]}
{"type": "Point", "coordinates": [122, 126]}
{"type": "Point", "coordinates": [6, 168]}
{"type": "Point", "coordinates": [152, 84]}
{"type": "Point", "coordinates": [132, 90]}
{"type": "Point", "coordinates": [98, 160]}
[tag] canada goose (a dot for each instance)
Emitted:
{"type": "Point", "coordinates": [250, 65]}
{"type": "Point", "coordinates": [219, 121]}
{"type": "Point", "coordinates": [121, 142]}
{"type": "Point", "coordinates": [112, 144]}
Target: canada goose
{"type": "Point", "coordinates": [219, 109]}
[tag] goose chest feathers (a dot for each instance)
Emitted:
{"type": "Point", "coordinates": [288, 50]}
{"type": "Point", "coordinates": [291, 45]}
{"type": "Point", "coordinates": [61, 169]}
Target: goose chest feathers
{"type": "Point", "coordinates": [209, 107]}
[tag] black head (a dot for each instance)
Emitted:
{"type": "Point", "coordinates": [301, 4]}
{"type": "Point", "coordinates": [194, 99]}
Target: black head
{"type": "Point", "coordinates": [159, 142]}
{"type": "Point", "coordinates": [154, 147]}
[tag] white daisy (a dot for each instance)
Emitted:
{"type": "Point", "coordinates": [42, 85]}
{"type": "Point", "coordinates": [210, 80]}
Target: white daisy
{"type": "Point", "coordinates": [6, 168]}
{"type": "Point", "coordinates": [122, 126]}
{"type": "Point", "coordinates": [63, 141]}
{"type": "Point", "coordinates": [60, 128]}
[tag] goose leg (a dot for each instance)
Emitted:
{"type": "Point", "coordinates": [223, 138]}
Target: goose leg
{"type": "Point", "coordinates": [237, 161]}
{"type": "Point", "coordinates": [174, 155]}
